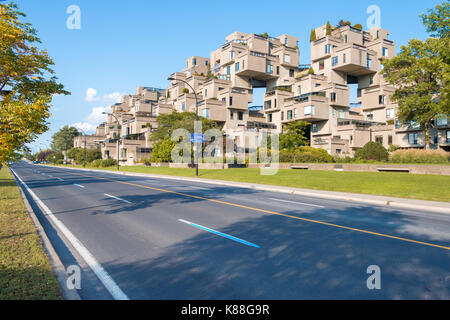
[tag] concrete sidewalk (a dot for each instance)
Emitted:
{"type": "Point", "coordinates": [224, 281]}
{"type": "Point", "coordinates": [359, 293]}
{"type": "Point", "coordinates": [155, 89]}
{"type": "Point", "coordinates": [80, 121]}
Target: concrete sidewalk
{"type": "Point", "coordinates": [422, 205]}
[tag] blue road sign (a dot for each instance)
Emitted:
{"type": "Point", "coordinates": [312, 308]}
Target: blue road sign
{"type": "Point", "coordinates": [197, 137]}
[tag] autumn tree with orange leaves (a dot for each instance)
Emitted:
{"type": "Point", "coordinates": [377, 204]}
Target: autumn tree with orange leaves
{"type": "Point", "coordinates": [27, 84]}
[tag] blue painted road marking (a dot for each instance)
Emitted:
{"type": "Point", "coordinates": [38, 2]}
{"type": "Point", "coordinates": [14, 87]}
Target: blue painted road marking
{"type": "Point", "coordinates": [219, 233]}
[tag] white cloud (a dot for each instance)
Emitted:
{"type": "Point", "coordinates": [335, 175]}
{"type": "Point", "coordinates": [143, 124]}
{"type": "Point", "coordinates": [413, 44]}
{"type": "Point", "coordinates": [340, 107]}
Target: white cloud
{"type": "Point", "coordinates": [90, 122]}
{"type": "Point", "coordinates": [91, 96]}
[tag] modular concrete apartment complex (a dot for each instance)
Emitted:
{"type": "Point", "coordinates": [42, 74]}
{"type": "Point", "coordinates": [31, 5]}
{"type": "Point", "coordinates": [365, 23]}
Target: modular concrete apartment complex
{"type": "Point", "coordinates": [345, 60]}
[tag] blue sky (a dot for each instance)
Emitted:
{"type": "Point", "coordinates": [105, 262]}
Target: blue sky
{"type": "Point", "coordinates": [125, 44]}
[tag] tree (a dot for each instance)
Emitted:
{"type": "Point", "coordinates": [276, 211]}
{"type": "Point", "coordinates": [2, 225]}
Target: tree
{"type": "Point", "coordinates": [293, 135]}
{"type": "Point", "coordinates": [372, 151]}
{"type": "Point", "coordinates": [25, 89]}
{"type": "Point", "coordinates": [168, 123]}
{"type": "Point", "coordinates": [328, 27]}
{"type": "Point", "coordinates": [313, 36]}
{"type": "Point", "coordinates": [421, 73]}
{"type": "Point", "coordinates": [162, 151]}
{"type": "Point", "coordinates": [63, 139]}
{"type": "Point", "coordinates": [311, 70]}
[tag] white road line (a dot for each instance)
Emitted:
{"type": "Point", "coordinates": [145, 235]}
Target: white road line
{"type": "Point", "coordinates": [79, 185]}
{"type": "Point", "coordinates": [296, 202]}
{"type": "Point", "coordinates": [108, 195]}
{"type": "Point", "coordinates": [98, 269]}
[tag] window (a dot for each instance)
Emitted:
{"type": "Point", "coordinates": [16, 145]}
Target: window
{"type": "Point", "coordinates": [291, 73]}
{"type": "Point", "coordinates": [228, 70]}
{"type": "Point", "coordinates": [327, 49]}
{"type": "Point", "coordinates": [205, 113]}
{"type": "Point", "coordinates": [206, 93]}
{"type": "Point", "coordinates": [240, 115]}
{"type": "Point", "coordinates": [269, 68]}
{"type": "Point", "coordinates": [236, 66]}
{"type": "Point", "coordinates": [269, 117]}
{"type": "Point", "coordinates": [282, 116]}
{"type": "Point", "coordinates": [448, 136]}
{"type": "Point", "coordinates": [344, 57]}
{"type": "Point", "coordinates": [341, 114]}
{"type": "Point", "coordinates": [397, 124]}
{"type": "Point", "coordinates": [345, 38]}
{"type": "Point", "coordinates": [389, 113]}
{"type": "Point", "coordinates": [285, 41]}
{"type": "Point", "coordinates": [123, 153]}
{"type": "Point", "coordinates": [381, 99]}
{"type": "Point", "coordinates": [338, 151]}
{"type": "Point", "coordinates": [334, 61]}
{"type": "Point", "coordinates": [243, 64]}
{"type": "Point", "coordinates": [369, 63]}
{"type": "Point", "coordinates": [309, 110]}
{"type": "Point", "coordinates": [231, 54]}
{"type": "Point", "coordinates": [289, 115]}
{"type": "Point", "coordinates": [194, 62]}
{"type": "Point", "coordinates": [321, 65]}
{"type": "Point", "coordinates": [412, 138]}
{"type": "Point", "coordinates": [370, 80]}
{"type": "Point", "coordinates": [231, 114]}
{"type": "Point", "coordinates": [389, 139]}
{"type": "Point", "coordinates": [378, 34]}
{"type": "Point", "coordinates": [206, 62]}
{"type": "Point", "coordinates": [278, 69]}
{"type": "Point", "coordinates": [385, 52]}
{"type": "Point", "coordinates": [299, 89]}
{"type": "Point", "coordinates": [379, 139]}
{"type": "Point", "coordinates": [442, 121]}
{"type": "Point", "coordinates": [332, 96]}
{"type": "Point", "coordinates": [183, 106]}
{"type": "Point", "coordinates": [287, 58]}
{"type": "Point", "coordinates": [369, 116]}
{"type": "Point", "coordinates": [231, 101]}
{"type": "Point", "coordinates": [295, 113]}
{"type": "Point", "coordinates": [314, 127]}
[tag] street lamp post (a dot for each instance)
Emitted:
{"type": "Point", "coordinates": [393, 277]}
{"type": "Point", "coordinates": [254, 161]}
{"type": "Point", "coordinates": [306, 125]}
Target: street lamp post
{"type": "Point", "coordinates": [118, 139]}
{"type": "Point", "coordinates": [196, 117]}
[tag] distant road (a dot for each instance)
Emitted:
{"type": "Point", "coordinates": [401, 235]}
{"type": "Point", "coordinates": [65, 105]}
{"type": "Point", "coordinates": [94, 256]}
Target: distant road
{"type": "Point", "coordinates": [152, 238]}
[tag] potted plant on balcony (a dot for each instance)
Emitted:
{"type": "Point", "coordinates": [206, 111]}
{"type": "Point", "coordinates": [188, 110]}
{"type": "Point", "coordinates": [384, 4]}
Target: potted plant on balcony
{"type": "Point", "coordinates": [313, 36]}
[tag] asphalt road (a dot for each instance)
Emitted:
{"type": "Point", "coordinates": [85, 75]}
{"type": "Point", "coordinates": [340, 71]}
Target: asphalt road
{"type": "Point", "coordinates": [167, 239]}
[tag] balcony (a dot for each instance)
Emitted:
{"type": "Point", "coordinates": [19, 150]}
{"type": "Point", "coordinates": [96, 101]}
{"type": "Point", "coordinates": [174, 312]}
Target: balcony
{"type": "Point", "coordinates": [258, 65]}
{"type": "Point", "coordinates": [355, 60]}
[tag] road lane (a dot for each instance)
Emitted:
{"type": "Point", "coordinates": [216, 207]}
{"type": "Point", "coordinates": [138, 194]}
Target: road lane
{"type": "Point", "coordinates": [296, 259]}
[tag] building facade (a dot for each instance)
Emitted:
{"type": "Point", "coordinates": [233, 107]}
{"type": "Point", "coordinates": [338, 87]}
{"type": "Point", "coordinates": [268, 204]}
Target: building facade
{"type": "Point", "coordinates": [346, 99]}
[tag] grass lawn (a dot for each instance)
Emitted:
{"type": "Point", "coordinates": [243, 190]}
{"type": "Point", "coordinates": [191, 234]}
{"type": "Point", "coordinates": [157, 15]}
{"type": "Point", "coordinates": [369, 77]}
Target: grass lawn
{"type": "Point", "coordinates": [25, 269]}
{"type": "Point", "coordinates": [403, 185]}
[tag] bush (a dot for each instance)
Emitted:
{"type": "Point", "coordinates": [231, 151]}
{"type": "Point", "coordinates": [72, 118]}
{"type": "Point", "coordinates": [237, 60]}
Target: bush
{"type": "Point", "coordinates": [358, 26]}
{"type": "Point", "coordinates": [162, 151]}
{"type": "Point", "coordinates": [420, 156]}
{"type": "Point", "coordinates": [108, 163]}
{"type": "Point", "coordinates": [305, 155]}
{"type": "Point", "coordinates": [372, 151]}
{"type": "Point", "coordinates": [96, 163]}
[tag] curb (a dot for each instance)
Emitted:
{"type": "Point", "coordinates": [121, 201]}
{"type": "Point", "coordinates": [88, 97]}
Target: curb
{"type": "Point", "coordinates": [379, 200]}
{"type": "Point", "coordinates": [57, 265]}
